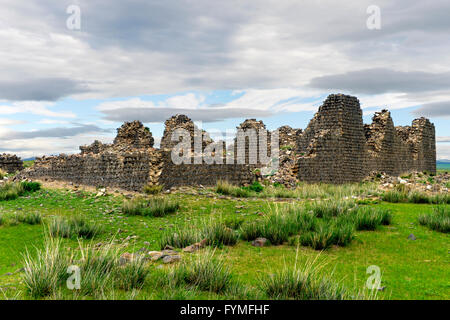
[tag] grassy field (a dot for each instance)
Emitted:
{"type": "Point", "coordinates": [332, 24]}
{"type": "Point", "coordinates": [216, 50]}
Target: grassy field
{"type": "Point", "coordinates": [411, 269]}
{"type": "Point", "coordinates": [443, 167]}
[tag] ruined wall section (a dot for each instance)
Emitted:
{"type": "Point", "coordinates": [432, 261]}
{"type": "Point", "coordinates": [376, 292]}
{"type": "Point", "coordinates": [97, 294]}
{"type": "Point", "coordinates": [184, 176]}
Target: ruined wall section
{"type": "Point", "coordinates": [95, 147]}
{"type": "Point", "coordinates": [398, 150]}
{"type": "Point", "coordinates": [181, 121]}
{"type": "Point", "coordinates": [247, 143]}
{"type": "Point", "coordinates": [420, 141]}
{"type": "Point", "coordinates": [10, 163]}
{"type": "Point", "coordinates": [133, 135]}
{"type": "Point", "coordinates": [197, 171]}
{"type": "Point", "coordinates": [129, 171]}
{"type": "Point", "coordinates": [335, 148]}
{"type": "Point", "coordinates": [200, 173]}
{"type": "Point", "coordinates": [332, 149]}
{"type": "Point", "coordinates": [129, 163]}
{"type": "Point", "coordinates": [288, 136]}
{"type": "Point", "coordinates": [386, 151]}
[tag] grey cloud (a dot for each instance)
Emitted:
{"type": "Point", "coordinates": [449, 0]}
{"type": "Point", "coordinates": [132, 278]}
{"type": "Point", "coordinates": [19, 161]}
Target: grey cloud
{"type": "Point", "coordinates": [53, 132]}
{"type": "Point", "coordinates": [378, 81]}
{"type": "Point", "coordinates": [434, 110]}
{"type": "Point", "coordinates": [43, 89]}
{"type": "Point", "coordinates": [162, 114]}
{"type": "Point", "coordinates": [206, 44]}
{"type": "Point", "coordinates": [442, 139]}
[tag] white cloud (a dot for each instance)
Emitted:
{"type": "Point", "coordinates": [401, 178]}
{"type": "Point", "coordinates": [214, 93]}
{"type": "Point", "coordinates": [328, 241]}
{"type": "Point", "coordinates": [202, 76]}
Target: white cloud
{"type": "Point", "coordinates": [10, 122]}
{"type": "Point", "coordinates": [26, 148]}
{"type": "Point", "coordinates": [442, 139]}
{"type": "Point", "coordinates": [34, 107]}
{"type": "Point", "coordinates": [443, 151]}
{"type": "Point", "coordinates": [52, 121]}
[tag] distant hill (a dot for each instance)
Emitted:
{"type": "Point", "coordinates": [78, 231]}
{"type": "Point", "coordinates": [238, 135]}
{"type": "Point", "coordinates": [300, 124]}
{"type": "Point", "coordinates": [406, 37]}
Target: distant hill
{"type": "Point", "coordinates": [443, 161]}
{"type": "Point", "coordinates": [29, 159]}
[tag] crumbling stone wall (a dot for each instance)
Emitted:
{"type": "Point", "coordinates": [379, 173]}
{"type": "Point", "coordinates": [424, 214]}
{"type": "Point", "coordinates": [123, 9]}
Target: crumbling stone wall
{"type": "Point", "coordinates": [129, 163]}
{"type": "Point", "coordinates": [397, 150]}
{"type": "Point", "coordinates": [200, 173]}
{"type": "Point", "coordinates": [133, 135]}
{"type": "Point", "coordinates": [332, 148]}
{"type": "Point", "coordinates": [181, 121]}
{"type": "Point", "coordinates": [248, 144]}
{"type": "Point", "coordinates": [129, 171]}
{"type": "Point", "coordinates": [288, 137]}
{"type": "Point", "coordinates": [96, 147]}
{"type": "Point", "coordinates": [10, 163]}
{"type": "Point", "coordinates": [336, 147]}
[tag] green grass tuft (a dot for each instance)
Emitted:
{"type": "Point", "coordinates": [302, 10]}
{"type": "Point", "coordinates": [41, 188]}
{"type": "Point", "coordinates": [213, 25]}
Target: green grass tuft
{"type": "Point", "coordinates": [203, 272]}
{"type": "Point", "coordinates": [77, 226]}
{"type": "Point", "coordinates": [439, 220]}
{"type": "Point", "coordinates": [305, 283]}
{"type": "Point", "coordinates": [218, 235]}
{"type": "Point", "coordinates": [155, 207]}
{"type": "Point", "coordinates": [180, 237]}
{"type": "Point", "coordinates": [394, 196]}
{"type": "Point", "coordinates": [30, 218]}
{"type": "Point", "coordinates": [152, 189]}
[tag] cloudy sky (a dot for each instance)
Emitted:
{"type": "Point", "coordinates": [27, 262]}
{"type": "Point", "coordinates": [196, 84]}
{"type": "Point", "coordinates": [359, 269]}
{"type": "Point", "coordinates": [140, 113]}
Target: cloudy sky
{"type": "Point", "coordinates": [64, 84]}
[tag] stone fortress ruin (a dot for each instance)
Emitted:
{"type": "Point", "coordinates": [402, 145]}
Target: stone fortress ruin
{"type": "Point", "coordinates": [336, 147]}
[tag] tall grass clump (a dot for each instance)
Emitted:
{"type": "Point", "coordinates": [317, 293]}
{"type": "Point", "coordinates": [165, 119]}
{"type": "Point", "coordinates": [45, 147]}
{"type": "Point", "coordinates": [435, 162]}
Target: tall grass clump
{"type": "Point", "coordinates": [203, 272]}
{"type": "Point", "coordinates": [438, 220]}
{"type": "Point", "coordinates": [322, 190]}
{"type": "Point", "coordinates": [330, 209]}
{"type": "Point", "coordinates": [97, 268]}
{"type": "Point", "coordinates": [279, 224]}
{"type": "Point", "coordinates": [440, 198]}
{"type": "Point", "coordinates": [155, 207]}
{"type": "Point", "coordinates": [132, 275]}
{"type": "Point", "coordinates": [152, 189]}
{"type": "Point", "coordinates": [305, 283]}
{"type": "Point", "coordinates": [30, 186]}
{"type": "Point", "coordinates": [233, 222]}
{"type": "Point", "coordinates": [369, 218]}
{"type": "Point", "coordinates": [180, 237]}
{"type": "Point", "coordinates": [327, 234]}
{"type": "Point", "coordinates": [275, 227]}
{"type": "Point", "coordinates": [226, 188]}
{"type": "Point", "coordinates": [11, 191]}
{"type": "Point", "coordinates": [3, 174]}
{"type": "Point", "coordinates": [418, 197]}
{"type": "Point", "coordinates": [77, 226]}
{"type": "Point", "coordinates": [395, 196]}
{"type": "Point", "coordinates": [30, 218]}
{"type": "Point", "coordinates": [101, 272]}
{"type": "Point", "coordinates": [46, 270]}
{"type": "Point", "coordinates": [218, 235]}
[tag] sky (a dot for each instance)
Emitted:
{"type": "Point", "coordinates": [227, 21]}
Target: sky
{"type": "Point", "coordinates": [74, 71]}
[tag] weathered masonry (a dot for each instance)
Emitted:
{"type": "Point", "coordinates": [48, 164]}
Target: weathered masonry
{"type": "Point", "coordinates": [336, 147]}
{"type": "Point", "coordinates": [10, 163]}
